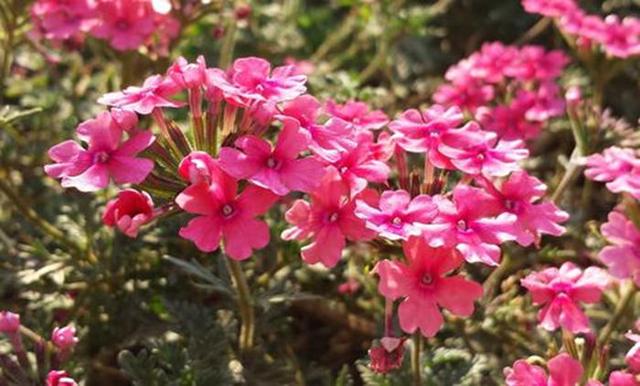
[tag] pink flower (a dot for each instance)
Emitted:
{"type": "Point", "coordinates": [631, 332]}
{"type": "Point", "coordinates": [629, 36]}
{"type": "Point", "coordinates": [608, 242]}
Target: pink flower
{"type": "Point", "coordinates": [474, 223]}
{"type": "Point", "coordinates": [632, 359]}
{"type": "Point", "coordinates": [224, 214]}
{"type": "Point", "coordinates": [9, 322]}
{"type": "Point", "coordinates": [564, 370]}
{"type": "Point", "coordinates": [474, 151]}
{"type": "Point", "coordinates": [422, 133]}
{"type": "Point", "coordinates": [59, 378]}
{"type": "Point", "coordinates": [518, 194]}
{"type": "Point", "coordinates": [125, 24]}
{"type": "Point", "coordinates": [509, 122]}
{"type": "Point", "coordinates": [550, 8]}
{"type": "Point", "coordinates": [358, 166]}
{"type": "Point", "coordinates": [358, 114]}
{"type": "Point", "coordinates": [64, 338]}
{"type": "Point", "coordinates": [275, 168]}
{"type": "Point", "coordinates": [197, 167]}
{"type": "Point", "coordinates": [329, 220]}
{"type": "Point", "coordinates": [423, 284]}
{"type": "Point", "coordinates": [129, 211]}
{"type": "Point", "coordinates": [619, 168]}
{"type": "Point", "coordinates": [62, 20]}
{"type": "Point", "coordinates": [621, 38]}
{"type": "Point", "coordinates": [349, 287]}
{"type": "Point", "coordinates": [301, 67]}
{"type": "Point", "coordinates": [188, 75]}
{"type": "Point", "coordinates": [387, 356]}
{"type": "Point", "coordinates": [621, 378]}
{"type": "Point", "coordinates": [560, 291]}
{"type": "Point", "coordinates": [622, 257]}
{"type": "Point", "coordinates": [327, 139]}
{"type": "Point", "coordinates": [251, 80]}
{"type": "Point", "coordinates": [155, 92]}
{"type": "Point", "coordinates": [89, 169]}
{"type": "Point", "coordinates": [399, 215]}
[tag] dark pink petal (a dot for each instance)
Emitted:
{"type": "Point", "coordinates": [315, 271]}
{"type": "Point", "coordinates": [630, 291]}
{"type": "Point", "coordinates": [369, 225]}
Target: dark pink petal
{"type": "Point", "coordinates": [564, 370]}
{"type": "Point", "coordinates": [326, 248]}
{"type": "Point", "coordinates": [393, 282]}
{"type": "Point", "coordinates": [458, 294]}
{"type": "Point", "coordinates": [243, 235]}
{"type": "Point", "coordinates": [199, 199]}
{"type": "Point", "coordinates": [204, 231]}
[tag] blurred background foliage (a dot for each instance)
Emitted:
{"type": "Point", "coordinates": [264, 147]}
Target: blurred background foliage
{"type": "Point", "coordinates": [156, 311]}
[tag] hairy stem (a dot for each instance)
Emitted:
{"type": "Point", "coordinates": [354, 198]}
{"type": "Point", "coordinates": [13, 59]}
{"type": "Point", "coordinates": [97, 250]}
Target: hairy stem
{"type": "Point", "coordinates": [416, 368]}
{"type": "Point", "coordinates": [245, 306]}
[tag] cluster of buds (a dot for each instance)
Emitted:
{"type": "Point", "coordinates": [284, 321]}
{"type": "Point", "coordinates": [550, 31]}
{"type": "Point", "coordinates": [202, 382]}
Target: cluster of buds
{"type": "Point", "coordinates": [50, 355]}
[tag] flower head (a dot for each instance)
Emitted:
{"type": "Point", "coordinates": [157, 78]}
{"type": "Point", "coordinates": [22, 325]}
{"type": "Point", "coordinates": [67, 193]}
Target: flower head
{"type": "Point", "coordinates": [561, 290]}
{"type": "Point", "coordinates": [9, 322]}
{"type": "Point", "coordinates": [619, 168]}
{"type": "Point", "coordinates": [358, 114]}
{"type": "Point", "coordinates": [129, 211]}
{"type": "Point", "coordinates": [398, 215]}
{"type": "Point", "coordinates": [425, 286]}
{"type": "Point", "coordinates": [60, 378]}
{"type": "Point", "coordinates": [223, 214]}
{"type": "Point", "coordinates": [64, 338]}
{"type": "Point", "coordinates": [564, 370]}
{"type": "Point", "coordinates": [329, 219]}
{"type": "Point", "coordinates": [106, 155]}
{"type": "Point", "coordinates": [154, 92]}
{"type": "Point", "coordinates": [622, 257]}
{"type": "Point", "coordinates": [125, 24]}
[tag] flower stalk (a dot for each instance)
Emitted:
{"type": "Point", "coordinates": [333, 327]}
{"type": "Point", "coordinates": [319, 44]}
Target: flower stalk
{"type": "Point", "coordinates": [245, 306]}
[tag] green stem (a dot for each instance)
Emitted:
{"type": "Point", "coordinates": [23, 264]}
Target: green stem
{"type": "Point", "coordinates": [621, 308]}
{"type": "Point", "coordinates": [245, 306]}
{"type": "Point", "coordinates": [416, 367]}
{"type": "Point", "coordinates": [228, 44]}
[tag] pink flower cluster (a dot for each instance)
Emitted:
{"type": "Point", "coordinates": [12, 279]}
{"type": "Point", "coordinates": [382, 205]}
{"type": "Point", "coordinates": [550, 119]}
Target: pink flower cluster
{"type": "Point", "coordinates": [511, 91]}
{"type": "Point", "coordinates": [622, 256]}
{"type": "Point", "coordinates": [616, 37]}
{"type": "Point", "coordinates": [125, 24]}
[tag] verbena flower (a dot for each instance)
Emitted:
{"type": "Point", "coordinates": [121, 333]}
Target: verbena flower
{"type": "Point", "coordinates": [129, 211]}
{"type": "Point", "coordinates": [622, 257]}
{"type": "Point", "coordinates": [564, 370]}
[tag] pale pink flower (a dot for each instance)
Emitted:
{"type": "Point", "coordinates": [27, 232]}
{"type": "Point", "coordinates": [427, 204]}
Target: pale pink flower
{"type": "Point", "coordinates": [357, 114]}
{"type": "Point", "coordinates": [223, 214]}
{"type": "Point", "coordinates": [126, 24]}
{"type": "Point", "coordinates": [560, 291]}
{"type": "Point", "coordinates": [277, 168]}
{"type": "Point", "coordinates": [9, 322]}
{"type": "Point", "coordinates": [329, 220]}
{"type": "Point", "coordinates": [474, 223]}
{"type": "Point", "coordinates": [618, 167]}
{"type": "Point", "coordinates": [474, 151]}
{"type": "Point", "coordinates": [621, 38]}
{"type": "Point", "coordinates": [398, 215]}
{"type": "Point", "coordinates": [154, 92]}
{"type": "Point", "coordinates": [64, 338]}
{"type": "Point", "coordinates": [425, 287]}
{"type": "Point", "coordinates": [519, 194]}
{"type": "Point", "coordinates": [422, 133]}
{"type": "Point", "coordinates": [564, 370]}
{"type": "Point", "coordinates": [622, 257]}
{"type": "Point", "coordinates": [59, 378]}
{"type": "Point", "coordinates": [129, 211]}
{"type": "Point", "coordinates": [106, 156]}
{"type": "Point", "coordinates": [62, 20]}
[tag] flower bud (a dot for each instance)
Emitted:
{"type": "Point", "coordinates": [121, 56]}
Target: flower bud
{"type": "Point", "coordinates": [9, 322]}
{"type": "Point", "coordinates": [60, 378]}
{"type": "Point", "coordinates": [64, 338]}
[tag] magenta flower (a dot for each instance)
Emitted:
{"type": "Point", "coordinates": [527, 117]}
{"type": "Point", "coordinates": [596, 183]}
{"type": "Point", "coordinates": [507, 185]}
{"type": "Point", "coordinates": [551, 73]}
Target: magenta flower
{"type": "Point", "coordinates": [197, 167]}
{"type": "Point", "coordinates": [619, 168]}
{"type": "Point", "coordinates": [560, 291]}
{"type": "Point", "coordinates": [621, 378]}
{"type": "Point", "coordinates": [59, 378]}
{"type": "Point", "coordinates": [425, 286]}
{"type": "Point", "coordinates": [398, 216]}
{"type": "Point", "coordinates": [358, 115]}
{"type": "Point", "coordinates": [387, 356]}
{"type": "Point", "coordinates": [188, 75]}
{"type": "Point", "coordinates": [518, 194]}
{"type": "Point", "coordinates": [222, 214]}
{"type": "Point", "coordinates": [62, 20]}
{"type": "Point", "coordinates": [9, 322]}
{"type": "Point", "coordinates": [422, 133]}
{"type": "Point", "coordinates": [106, 156]}
{"type": "Point", "coordinates": [125, 24]}
{"type": "Point", "coordinates": [64, 338]}
{"type": "Point", "coordinates": [129, 211]}
{"type": "Point", "coordinates": [564, 370]}
{"type": "Point", "coordinates": [550, 8]}
{"type": "Point", "coordinates": [329, 220]}
{"type": "Point", "coordinates": [358, 166]}
{"type": "Point", "coordinates": [474, 151]}
{"type": "Point", "coordinates": [155, 92]}
{"type": "Point", "coordinates": [275, 168]}
{"type": "Point", "coordinates": [474, 223]}
{"type": "Point", "coordinates": [622, 257]}
{"type": "Point", "coordinates": [251, 80]}
{"type": "Point", "coordinates": [632, 359]}
{"type": "Point", "coordinates": [327, 139]}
